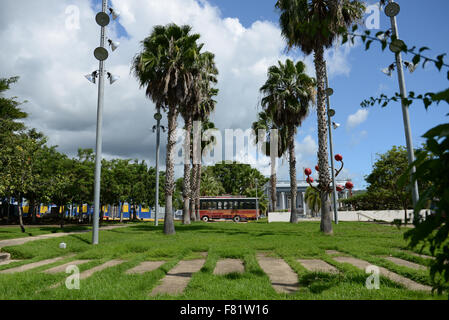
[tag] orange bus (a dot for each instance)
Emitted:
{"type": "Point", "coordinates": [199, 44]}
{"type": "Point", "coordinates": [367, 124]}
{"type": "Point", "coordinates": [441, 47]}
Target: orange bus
{"type": "Point", "coordinates": [228, 207]}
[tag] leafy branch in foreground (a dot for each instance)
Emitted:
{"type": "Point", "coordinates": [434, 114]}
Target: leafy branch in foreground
{"type": "Point", "coordinates": [385, 38]}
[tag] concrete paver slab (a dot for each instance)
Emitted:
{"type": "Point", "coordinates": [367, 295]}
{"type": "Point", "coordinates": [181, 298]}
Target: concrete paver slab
{"type": "Point", "coordinates": [226, 266]}
{"type": "Point", "coordinates": [177, 279]}
{"type": "Point", "coordinates": [316, 265]}
{"type": "Point", "coordinates": [282, 277]}
{"type": "Point", "coordinates": [361, 264]}
{"type": "Point", "coordinates": [145, 266]}
{"type": "Point", "coordinates": [33, 265]}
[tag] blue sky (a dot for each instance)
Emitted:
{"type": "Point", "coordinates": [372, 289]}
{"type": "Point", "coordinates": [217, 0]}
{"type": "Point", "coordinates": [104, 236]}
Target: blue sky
{"type": "Point", "coordinates": [419, 24]}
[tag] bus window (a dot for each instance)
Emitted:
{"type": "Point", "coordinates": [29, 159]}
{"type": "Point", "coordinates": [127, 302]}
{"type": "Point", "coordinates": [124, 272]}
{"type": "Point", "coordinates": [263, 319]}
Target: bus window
{"type": "Point", "coordinates": [225, 205]}
{"type": "Point", "coordinates": [219, 205]}
{"type": "Point", "coordinates": [252, 204]}
{"type": "Point", "coordinates": [236, 205]}
{"type": "Point", "coordinates": [203, 205]}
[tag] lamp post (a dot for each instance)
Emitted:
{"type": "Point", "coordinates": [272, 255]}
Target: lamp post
{"type": "Point", "coordinates": [257, 202]}
{"type": "Point", "coordinates": [157, 117]}
{"type": "Point", "coordinates": [101, 54]}
{"type": "Point", "coordinates": [392, 10]}
{"type": "Point", "coordinates": [331, 113]}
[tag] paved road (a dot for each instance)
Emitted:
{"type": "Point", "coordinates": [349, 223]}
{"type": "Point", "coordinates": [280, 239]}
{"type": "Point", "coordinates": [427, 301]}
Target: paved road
{"type": "Point", "coordinates": [19, 241]}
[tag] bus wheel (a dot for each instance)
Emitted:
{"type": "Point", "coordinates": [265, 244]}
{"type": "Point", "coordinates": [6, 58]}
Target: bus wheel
{"type": "Point", "coordinates": [205, 218]}
{"type": "Point", "coordinates": [236, 219]}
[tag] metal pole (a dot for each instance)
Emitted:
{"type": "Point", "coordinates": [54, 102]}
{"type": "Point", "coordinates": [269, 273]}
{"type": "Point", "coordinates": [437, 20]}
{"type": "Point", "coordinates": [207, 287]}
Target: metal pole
{"type": "Point", "coordinates": [334, 190]}
{"type": "Point", "coordinates": [257, 204]}
{"type": "Point", "coordinates": [405, 115]}
{"type": "Point", "coordinates": [99, 141]}
{"type": "Point", "coordinates": [158, 135]}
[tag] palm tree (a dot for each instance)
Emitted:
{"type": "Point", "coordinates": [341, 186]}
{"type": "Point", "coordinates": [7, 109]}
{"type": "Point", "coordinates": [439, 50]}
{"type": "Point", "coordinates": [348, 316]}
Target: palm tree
{"type": "Point", "coordinates": [313, 25]}
{"type": "Point", "coordinates": [204, 74]}
{"type": "Point", "coordinates": [288, 92]}
{"type": "Point", "coordinates": [265, 122]}
{"type": "Point", "coordinates": [196, 176]}
{"type": "Point", "coordinates": [164, 67]}
{"type": "Point", "coordinates": [313, 200]}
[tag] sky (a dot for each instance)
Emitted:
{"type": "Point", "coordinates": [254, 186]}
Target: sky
{"type": "Point", "coordinates": [49, 44]}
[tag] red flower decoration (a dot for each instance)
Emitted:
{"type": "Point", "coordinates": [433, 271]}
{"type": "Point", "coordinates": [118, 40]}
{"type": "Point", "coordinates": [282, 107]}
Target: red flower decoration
{"type": "Point", "coordinates": [317, 168]}
{"type": "Point", "coordinates": [308, 171]}
{"type": "Point", "coordinates": [309, 180]}
{"type": "Point", "coordinates": [349, 185]}
{"type": "Point", "coordinates": [338, 157]}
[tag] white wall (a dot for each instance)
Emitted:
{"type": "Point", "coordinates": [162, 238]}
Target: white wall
{"type": "Point", "coordinates": [384, 215]}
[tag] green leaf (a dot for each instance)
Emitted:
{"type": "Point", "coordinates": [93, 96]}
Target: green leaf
{"type": "Point", "coordinates": [368, 43]}
{"type": "Point", "coordinates": [416, 59]}
{"type": "Point", "coordinates": [423, 49]}
{"type": "Point", "coordinates": [354, 28]}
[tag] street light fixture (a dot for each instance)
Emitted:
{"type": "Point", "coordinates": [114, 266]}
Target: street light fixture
{"type": "Point", "coordinates": [157, 127]}
{"type": "Point", "coordinates": [113, 44]}
{"type": "Point", "coordinates": [101, 54]}
{"type": "Point", "coordinates": [391, 10]}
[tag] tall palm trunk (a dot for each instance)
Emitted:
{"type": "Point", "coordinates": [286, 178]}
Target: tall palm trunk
{"type": "Point", "coordinates": [194, 183]}
{"type": "Point", "coordinates": [293, 185]}
{"type": "Point", "coordinates": [186, 192]}
{"type": "Point", "coordinates": [198, 192]}
{"type": "Point", "coordinates": [324, 178]}
{"type": "Point", "coordinates": [169, 226]}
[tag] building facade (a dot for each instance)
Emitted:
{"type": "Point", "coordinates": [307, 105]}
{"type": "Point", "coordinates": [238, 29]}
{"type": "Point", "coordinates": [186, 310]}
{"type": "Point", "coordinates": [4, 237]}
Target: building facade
{"type": "Point", "coordinates": [283, 196]}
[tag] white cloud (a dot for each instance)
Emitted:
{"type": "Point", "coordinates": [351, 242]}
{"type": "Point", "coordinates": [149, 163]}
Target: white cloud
{"type": "Point", "coordinates": [357, 118]}
{"type": "Point", "coordinates": [52, 60]}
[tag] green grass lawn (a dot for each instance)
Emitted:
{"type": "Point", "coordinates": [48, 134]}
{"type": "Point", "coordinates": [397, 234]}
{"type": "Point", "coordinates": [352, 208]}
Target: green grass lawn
{"type": "Point", "coordinates": [143, 241]}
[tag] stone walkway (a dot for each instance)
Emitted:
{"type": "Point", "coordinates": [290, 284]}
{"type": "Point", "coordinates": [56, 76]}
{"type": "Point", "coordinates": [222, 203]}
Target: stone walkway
{"type": "Point", "coordinates": [316, 265]}
{"type": "Point", "coordinates": [420, 255]}
{"type": "Point", "coordinates": [282, 277]}
{"type": "Point", "coordinates": [405, 263]}
{"type": "Point", "coordinates": [19, 241]}
{"type": "Point", "coordinates": [62, 268]}
{"type": "Point", "coordinates": [145, 266]}
{"type": "Point", "coordinates": [88, 273]}
{"type": "Point", "coordinates": [33, 265]}
{"type": "Point", "coordinates": [226, 266]}
{"type": "Point", "coordinates": [361, 264]}
{"type": "Point", "coordinates": [179, 277]}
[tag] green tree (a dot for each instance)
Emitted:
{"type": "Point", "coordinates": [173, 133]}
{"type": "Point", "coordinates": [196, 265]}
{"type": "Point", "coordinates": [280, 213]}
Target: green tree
{"type": "Point", "coordinates": [276, 135]}
{"type": "Point", "coordinates": [164, 67]}
{"type": "Point", "coordinates": [313, 200]}
{"type": "Point", "coordinates": [204, 73]}
{"type": "Point", "coordinates": [313, 25]}
{"type": "Point", "coordinates": [288, 92]}
{"type": "Point", "coordinates": [385, 175]}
